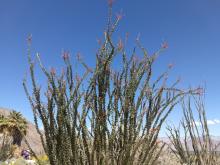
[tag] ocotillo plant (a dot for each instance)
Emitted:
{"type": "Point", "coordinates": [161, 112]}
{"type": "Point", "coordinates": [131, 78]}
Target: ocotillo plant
{"type": "Point", "coordinates": [114, 118]}
{"type": "Point", "coordinates": [195, 147]}
{"type": "Point", "coordinates": [61, 138]}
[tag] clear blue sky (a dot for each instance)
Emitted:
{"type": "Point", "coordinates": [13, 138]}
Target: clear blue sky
{"type": "Point", "coordinates": [191, 27]}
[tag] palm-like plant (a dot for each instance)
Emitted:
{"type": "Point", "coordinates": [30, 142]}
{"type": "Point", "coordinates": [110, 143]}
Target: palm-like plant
{"type": "Point", "coordinates": [18, 126]}
{"type": "Point", "coordinates": [12, 130]}
{"type": "Point", "coordinates": [3, 125]}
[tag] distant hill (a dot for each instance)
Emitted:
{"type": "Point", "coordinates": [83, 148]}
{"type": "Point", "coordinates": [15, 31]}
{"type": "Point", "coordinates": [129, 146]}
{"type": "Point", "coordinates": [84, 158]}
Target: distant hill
{"type": "Point", "coordinates": [32, 136]}
{"type": "Point", "coordinates": [215, 141]}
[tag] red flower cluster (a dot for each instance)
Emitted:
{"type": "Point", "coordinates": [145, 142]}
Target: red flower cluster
{"type": "Point", "coordinates": [65, 55]}
{"type": "Point", "coordinates": [199, 91]}
{"type": "Point", "coordinates": [110, 2]}
{"type": "Point", "coordinates": [170, 66]}
{"type": "Point", "coordinates": [53, 71]}
{"type": "Point", "coordinates": [120, 45]}
{"type": "Point", "coordinates": [119, 16]}
{"type": "Point", "coordinates": [164, 45]}
{"type": "Point", "coordinates": [29, 39]}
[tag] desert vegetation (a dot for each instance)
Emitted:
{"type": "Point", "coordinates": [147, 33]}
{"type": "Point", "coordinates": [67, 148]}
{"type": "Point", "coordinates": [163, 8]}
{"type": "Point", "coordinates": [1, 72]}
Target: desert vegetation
{"type": "Point", "coordinates": [108, 115]}
{"type": "Point", "coordinates": [12, 128]}
{"type": "Point", "coordinates": [195, 146]}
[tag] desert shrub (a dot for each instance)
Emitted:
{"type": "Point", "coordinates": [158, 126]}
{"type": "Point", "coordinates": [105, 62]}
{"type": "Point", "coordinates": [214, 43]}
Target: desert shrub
{"type": "Point", "coordinates": [43, 159]}
{"type": "Point", "coordinates": [105, 116]}
{"type": "Point", "coordinates": [19, 161]}
{"type": "Point", "coordinates": [195, 147]}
